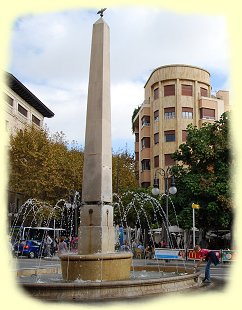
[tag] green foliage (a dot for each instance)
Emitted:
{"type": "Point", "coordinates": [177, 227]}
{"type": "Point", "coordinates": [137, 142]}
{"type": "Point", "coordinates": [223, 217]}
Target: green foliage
{"type": "Point", "coordinates": [43, 167]}
{"type": "Point", "coordinates": [135, 112]}
{"type": "Point", "coordinates": [203, 175]}
{"type": "Point", "coordinates": [123, 172]}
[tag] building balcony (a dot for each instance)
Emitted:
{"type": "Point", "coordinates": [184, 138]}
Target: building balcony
{"type": "Point", "coordinates": [145, 176]}
{"type": "Point", "coordinates": [144, 111]}
{"type": "Point", "coordinates": [206, 102]}
{"type": "Point", "coordinates": [145, 131]}
{"type": "Point", "coordinates": [145, 153]}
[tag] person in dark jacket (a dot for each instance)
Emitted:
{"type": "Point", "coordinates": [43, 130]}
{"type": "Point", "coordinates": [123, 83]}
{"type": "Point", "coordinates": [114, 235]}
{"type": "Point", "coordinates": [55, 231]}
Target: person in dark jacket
{"type": "Point", "coordinates": [210, 257]}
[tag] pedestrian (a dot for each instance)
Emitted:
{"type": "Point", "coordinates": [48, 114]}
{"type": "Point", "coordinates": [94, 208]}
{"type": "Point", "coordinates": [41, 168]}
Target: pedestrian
{"type": "Point", "coordinates": [56, 242]}
{"type": "Point", "coordinates": [62, 246]}
{"type": "Point", "coordinates": [148, 252]}
{"type": "Point", "coordinates": [48, 242]}
{"type": "Point", "coordinates": [210, 257]}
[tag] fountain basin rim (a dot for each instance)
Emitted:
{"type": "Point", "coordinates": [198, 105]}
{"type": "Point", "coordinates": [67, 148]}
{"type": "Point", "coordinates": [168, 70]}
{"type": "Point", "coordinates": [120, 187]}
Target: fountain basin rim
{"type": "Point", "coordinates": [96, 256]}
{"type": "Point", "coordinates": [120, 283]}
{"type": "Point", "coordinates": [85, 291]}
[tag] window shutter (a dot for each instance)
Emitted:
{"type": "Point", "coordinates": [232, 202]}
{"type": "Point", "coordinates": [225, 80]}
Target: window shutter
{"type": "Point", "coordinates": [186, 90]}
{"type": "Point", "coordinates": [167, 110]}
{"type": "Point", "coordinates": [185, 109]}
{"type": "Point", "coordinates": [184, 135]}
{"type": "Point", "coordinates": [203, 92]}
{"type": "Point", "coordinates": [156, 93]}
{"type": "Point", "coordinates": [169, 90]}
{"type": "Point", "coordinates": [168, 160]}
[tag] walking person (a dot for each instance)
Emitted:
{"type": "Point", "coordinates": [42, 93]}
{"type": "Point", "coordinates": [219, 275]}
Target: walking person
{"type": "Point", "coordinates": [48, 242]}
{"type": "Point", "coordinates": [62, 246]}
{"type": "Point", "coordinates": [210, 257]}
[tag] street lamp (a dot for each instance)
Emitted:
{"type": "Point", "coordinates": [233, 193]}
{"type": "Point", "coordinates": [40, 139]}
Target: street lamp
{"type": "Point", "coordinates": [166, 174]}
{"type": "Point", "coordinates": [194, 206]}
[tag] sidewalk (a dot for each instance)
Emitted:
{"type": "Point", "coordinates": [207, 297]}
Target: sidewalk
{"type": "Point", "coordinates": [53, 265]}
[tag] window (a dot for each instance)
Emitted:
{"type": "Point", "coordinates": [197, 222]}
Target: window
{"type": "Point", "coordinates": [169, 113]}
{"type": "Point", "coordinates": [156, 116]}
{"type": "Point", "coordinates": [145, 142]}
{"type": "Point", "coordinates": [186, 90]}
{"type": "Point", "coordinates": [22, 110]}
{"type": "Point", "coordinates": [169, 90]}
{"type": "Point", "coordinates": [145, 163]}
{"type": "Point", "coordinates": [203, 92]}
{"type": "Point", "coordinates": [156, 93]}
{"type": "Point", "coordinates": [9, 100]}
{"type": "Point", "coordinates": [35, 120]}
{"type": "Point", "coordinates": [207, 113]}
{"type": "Point", "coordinates": [184, 135]}
{"type": "Point", "coordinates": [168, 160]}
{"type": "Point", "coordinates": [145, 121]}
{"type": "Point", "coordinates": [170, 135]}
{"type": "Point", "coordinates": [187, 113]}
{"type": "Point", "coordinates": [156, 161]}
{"type": "Point", "coordinates": [156, 138]}
{"type": "Point", "coordinates": [145, 184]}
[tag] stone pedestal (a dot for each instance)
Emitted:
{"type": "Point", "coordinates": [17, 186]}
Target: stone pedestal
{"type": "Point", "coordinates": [96, 232]}
{"type": "Point", "coordinates": [103, 267]}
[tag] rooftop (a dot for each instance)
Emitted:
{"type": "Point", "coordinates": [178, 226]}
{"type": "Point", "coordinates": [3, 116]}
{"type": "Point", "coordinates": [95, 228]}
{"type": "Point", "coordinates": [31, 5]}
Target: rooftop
{"type": "Point", "coordinates": [27, 95]}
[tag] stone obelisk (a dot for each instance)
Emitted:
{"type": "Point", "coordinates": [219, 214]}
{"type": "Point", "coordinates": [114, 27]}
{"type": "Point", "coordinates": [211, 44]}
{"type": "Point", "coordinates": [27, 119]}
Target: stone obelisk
{"type": "Point", "coordinates": [96, 258]}
{"type": "Point", "coordinates": [96, 233]}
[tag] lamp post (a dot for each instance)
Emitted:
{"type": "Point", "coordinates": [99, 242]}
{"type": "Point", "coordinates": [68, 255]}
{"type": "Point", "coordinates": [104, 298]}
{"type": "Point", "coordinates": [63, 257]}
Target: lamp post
{"type": "Point", "coordinates": [194, 206]}
{"type": "Point", "coordinates": [166, 174]}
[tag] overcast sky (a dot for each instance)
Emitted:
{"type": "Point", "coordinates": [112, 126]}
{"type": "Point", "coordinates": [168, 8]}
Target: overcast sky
{"type": "Point", "coordinates": [50, 54]}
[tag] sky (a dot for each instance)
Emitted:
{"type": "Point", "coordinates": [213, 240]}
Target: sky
{"type": "Point", "coordinates": [50, 55]}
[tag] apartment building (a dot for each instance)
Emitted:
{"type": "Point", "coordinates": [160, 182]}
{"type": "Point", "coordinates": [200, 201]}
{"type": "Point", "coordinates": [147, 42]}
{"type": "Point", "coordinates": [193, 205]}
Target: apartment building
{"type": "Point", "coordinates": [22, 107]}
{"type": "Point", "coordinates": [175, 96]}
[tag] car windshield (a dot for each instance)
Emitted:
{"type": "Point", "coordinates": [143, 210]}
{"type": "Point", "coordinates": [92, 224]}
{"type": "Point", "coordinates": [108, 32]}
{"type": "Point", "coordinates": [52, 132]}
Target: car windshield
{"type": "Point", "coordinates": [36, 242]}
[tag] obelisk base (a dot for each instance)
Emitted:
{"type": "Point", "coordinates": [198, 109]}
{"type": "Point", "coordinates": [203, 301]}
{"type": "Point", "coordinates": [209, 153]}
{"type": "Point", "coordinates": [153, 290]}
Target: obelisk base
{"type": "Point", "coordinates": [103, 267]}
{"type": "Point", "coordinates": [96, 233]}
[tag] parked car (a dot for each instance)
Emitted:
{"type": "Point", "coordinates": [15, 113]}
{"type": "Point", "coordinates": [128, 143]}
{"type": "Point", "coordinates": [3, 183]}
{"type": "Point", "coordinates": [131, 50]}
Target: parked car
{"type": "Point", "coordinates": [30, 248]}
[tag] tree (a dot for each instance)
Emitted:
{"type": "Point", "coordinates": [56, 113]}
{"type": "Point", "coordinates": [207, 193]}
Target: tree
{"type": "Point", "coordinates": [135, 112]}
{"type": "Point", "coordinates": [43, 167]}
{"type": "Point", "coordinates": [123, 172]}
{"type": "Point", "coordinates": [203, 175]}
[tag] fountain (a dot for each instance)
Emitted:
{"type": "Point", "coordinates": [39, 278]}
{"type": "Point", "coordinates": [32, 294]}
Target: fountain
{"type": "Point", "coordinates": [147, 277]}
{"type": "Point", "coordinates": [97, 272]}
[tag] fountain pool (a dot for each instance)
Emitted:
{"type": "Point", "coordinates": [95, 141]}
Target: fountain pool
{"type": "Point", "coordinates": [144, 281]}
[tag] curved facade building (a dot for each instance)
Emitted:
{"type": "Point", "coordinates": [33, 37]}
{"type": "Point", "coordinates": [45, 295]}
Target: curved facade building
{"type": "Point", "coordinates": [175, 96]}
